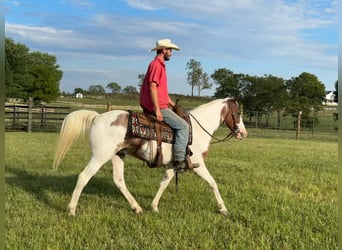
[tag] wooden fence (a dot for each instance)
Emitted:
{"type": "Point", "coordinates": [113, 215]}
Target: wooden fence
{"type": "Point", "coordinates": [34, 118]}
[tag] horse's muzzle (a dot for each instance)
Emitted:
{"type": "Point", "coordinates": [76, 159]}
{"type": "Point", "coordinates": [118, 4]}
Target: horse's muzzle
{"type": "Point", "coordinates": [241, 133]}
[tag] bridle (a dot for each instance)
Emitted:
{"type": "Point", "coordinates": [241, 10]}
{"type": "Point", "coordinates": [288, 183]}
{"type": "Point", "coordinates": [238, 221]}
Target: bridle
{"type": "Point", "coordinates": [232, 132]}
{"type": "Point", "coordinates": [234, 116]}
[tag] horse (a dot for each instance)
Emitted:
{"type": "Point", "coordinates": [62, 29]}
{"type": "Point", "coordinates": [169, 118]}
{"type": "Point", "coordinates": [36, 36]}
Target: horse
{"type": "Point", "coordinates": [108, 141]}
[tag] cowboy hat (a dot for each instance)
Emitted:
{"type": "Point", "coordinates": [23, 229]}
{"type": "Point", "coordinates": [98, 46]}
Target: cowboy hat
{"type": "Point", "coordinates": [165, 43]}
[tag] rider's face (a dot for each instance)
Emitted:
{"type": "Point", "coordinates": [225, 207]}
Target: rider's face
{"type": "Point", "coordinates": [167, 53]}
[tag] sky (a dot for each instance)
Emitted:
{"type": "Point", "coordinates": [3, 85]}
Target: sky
{"type": "Point", "coordinates": [101, 41]}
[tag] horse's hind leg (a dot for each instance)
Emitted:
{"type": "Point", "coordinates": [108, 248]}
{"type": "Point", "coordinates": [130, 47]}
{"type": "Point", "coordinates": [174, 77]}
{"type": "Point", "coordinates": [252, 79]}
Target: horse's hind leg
{"type": "Point", "coordinates": [83, 178]}
{"type": "Point", "coordinates": [163, 185]}
{"type": "Point", "coordinates": [119, 180]}
{"type": "Point", "coordinates": [204, 173]}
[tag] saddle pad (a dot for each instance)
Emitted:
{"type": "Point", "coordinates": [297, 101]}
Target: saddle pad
{"type": "Point", "coordinates": [143, 126]}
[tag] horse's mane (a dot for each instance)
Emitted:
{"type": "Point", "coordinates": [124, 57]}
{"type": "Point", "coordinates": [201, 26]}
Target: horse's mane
{"type": "Point", "coordinates": [209, 104]}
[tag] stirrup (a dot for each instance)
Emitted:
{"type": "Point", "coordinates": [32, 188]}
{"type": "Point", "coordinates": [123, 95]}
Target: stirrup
{"type": "Point", "coordinates": [189, 164]}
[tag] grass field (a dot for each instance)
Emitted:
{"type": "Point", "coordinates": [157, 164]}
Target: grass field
{"type": "Point", "coordinates": [281, 193]}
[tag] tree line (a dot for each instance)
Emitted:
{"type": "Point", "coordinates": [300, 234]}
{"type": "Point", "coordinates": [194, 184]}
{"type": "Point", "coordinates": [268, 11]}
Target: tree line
{"type": "Point", "coordinates": [263, 94]}
{"type": "Point", "coordinates": [114, 88]}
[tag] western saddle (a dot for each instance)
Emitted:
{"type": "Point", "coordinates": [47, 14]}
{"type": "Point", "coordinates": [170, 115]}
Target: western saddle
{"type": "Point", "coordinates": [145, 125]}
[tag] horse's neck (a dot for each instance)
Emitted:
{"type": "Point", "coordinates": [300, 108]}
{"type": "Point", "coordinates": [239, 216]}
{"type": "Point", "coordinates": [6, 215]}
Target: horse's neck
{"type": "Point", "coordinates": [209, 115]}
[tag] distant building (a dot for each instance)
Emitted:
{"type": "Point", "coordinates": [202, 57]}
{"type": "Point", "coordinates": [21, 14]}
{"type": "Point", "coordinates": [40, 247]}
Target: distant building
{"type": "Point", "coordinates": [329, 99]}
{"type": "Point", "coordinates": [79, 95]}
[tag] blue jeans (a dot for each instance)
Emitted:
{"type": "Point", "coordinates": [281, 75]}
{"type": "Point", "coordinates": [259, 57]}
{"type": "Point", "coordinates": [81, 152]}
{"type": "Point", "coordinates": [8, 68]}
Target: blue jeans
{"type": "Point", "coordinates": [181, 130]}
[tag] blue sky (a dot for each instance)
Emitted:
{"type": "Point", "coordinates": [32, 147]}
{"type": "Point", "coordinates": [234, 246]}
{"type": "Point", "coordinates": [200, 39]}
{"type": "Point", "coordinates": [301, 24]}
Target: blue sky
{"type": "Point", "coordinates": [101, 41]}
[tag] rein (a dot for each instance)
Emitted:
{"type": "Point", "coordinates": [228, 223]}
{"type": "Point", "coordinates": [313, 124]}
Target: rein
{"type": "Point", "coordinates": [226, 138]}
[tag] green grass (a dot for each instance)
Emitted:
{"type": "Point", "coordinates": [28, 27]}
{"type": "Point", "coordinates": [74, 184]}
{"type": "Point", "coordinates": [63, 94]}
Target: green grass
{"type": "Point", "coordinates": [281, 193]}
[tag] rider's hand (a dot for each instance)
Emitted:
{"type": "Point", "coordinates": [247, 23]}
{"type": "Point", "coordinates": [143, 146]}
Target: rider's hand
{"type": "Point", "coordinates": [159, 115]}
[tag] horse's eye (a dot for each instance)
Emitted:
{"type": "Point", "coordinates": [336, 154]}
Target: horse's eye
{"type": "Point", "coordinates": [239, 113]}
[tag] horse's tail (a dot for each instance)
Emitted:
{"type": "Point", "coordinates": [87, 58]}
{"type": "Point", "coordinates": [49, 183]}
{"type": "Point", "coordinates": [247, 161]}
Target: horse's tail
{"type": "Point", "coordinates": [75, 124]}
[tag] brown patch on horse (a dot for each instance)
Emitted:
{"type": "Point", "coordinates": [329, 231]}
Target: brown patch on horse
{"type": "Point", "coordinates": [135, 142]}
{"type": "Point", "coordinates": [205, 154]}
{"type": "Point", "coordinates": [121, 120]}
{"type": "Point", "coordinates": [132, 146]}
{"type": "Point", "coordinates": [230, 114]}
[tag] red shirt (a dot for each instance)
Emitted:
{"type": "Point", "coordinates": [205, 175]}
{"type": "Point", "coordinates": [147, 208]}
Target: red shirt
{"type": "Point", "coordinates": [156, 72]}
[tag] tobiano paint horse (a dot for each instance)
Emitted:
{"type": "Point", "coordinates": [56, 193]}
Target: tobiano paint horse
{"type": "Point", "coordinates": [107, 134]}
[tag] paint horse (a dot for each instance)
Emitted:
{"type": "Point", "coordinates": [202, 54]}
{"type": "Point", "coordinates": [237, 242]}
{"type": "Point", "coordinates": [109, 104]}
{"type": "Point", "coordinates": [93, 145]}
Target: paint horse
{"type": "Point", "coordinates": [108, 141]}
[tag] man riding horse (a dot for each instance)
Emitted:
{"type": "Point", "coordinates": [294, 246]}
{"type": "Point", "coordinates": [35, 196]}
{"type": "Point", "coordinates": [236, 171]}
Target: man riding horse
{"type": "Point", "coordinates": [155, 99]}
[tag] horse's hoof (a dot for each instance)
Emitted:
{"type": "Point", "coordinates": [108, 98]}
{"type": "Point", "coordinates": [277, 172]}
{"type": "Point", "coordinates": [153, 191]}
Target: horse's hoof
{"type": "Point", "coordinates": [138, 211]}
{"type": "Point", "coordinates": [224, 212]}
{"type": "Point", "coordinates": [155, 209]}
{"type": "Point", "coordinates": [71, 211]}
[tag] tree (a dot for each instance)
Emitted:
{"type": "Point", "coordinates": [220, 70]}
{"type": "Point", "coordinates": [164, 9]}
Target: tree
{"type": "Point", "coordinates": [17, 77]}
{"type": "Point", "coordinates": [96, 89]}
{"type": "Point", "coordinates": [79, 90]}
{"type": "Point", "coordinates": [46, 73]}
{"type": "Point", "coordinates": [130, 90]}
{"type": "Point", "coordinates": [229, 84]}
{"type": "Point", "coordinates": [194, 74]}
{"type": "Point", "coordinates": [203, 83]}
{"type": "Point", "coordinates": [114, 87]}
{"type": "Point", "coordinates": [277, 95]}
{"type": "Point", "coordinates": [141, 78]}
{"type": "Point", "coordinates": [250, 99]}
{"type": "Point", "coordinates": [30, 74]}
{"type": "Point", "coordinates": [306, 92]}
{"type": "Point", "coordinates": [336, 92]}
{"type": "Point", "coordinates": [264, 95]}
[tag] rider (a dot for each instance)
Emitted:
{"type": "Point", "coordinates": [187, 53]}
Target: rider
{"type": "Point", "coordinates": [154, 98]}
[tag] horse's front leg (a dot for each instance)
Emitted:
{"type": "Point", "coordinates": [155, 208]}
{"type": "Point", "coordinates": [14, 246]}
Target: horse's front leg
{"type": "Point", "coordinates": [204, 173]}
{"type": "Point", "coordinates": [119, 180]}
{"type": "Point", "coordinates": [163, 185]}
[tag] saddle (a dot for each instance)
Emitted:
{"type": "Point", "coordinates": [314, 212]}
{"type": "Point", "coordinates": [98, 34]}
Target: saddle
{"type": "Point", "coordinates": [146, 126]}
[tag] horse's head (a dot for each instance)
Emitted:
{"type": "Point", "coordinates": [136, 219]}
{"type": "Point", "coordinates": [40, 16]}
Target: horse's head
{"type": "Point", "coordinates": [232, 117]}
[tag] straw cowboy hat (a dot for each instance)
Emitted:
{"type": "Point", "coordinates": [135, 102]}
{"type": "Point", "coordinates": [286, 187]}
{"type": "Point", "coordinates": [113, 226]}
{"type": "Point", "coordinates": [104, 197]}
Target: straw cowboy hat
{"type": "Point", "coordinates": [165, 43]}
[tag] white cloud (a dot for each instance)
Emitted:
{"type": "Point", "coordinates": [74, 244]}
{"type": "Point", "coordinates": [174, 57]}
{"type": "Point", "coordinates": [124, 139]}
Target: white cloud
{"type": "Point", "coordinates": [80, 3]}
{"type": "Point", "coordinates": [143, 5]}
{"type": "Point", "coordinates": [50, 35]}
{"type": "Point", "coordinates": [15, 3]}
{"type": "Point", "coordinates": [53, 38]}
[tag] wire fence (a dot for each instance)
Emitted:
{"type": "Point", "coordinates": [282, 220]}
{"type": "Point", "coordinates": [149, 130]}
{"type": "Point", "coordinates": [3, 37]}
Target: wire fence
{"type": "Point", "coordinates": [323, 122]}
{"type": "Point", "coordinates": [43, 118]}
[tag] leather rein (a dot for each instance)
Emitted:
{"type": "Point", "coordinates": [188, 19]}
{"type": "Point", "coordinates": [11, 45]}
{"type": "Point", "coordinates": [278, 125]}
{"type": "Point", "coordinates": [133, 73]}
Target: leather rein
{"type": "Point", "coordinates": [227, 137]}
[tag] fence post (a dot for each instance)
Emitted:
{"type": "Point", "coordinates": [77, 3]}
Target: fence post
{"type": "Point", "coordinates": [57, 116]}
{"type": "Point", "coordinates": [257, 119]}
{"type": "Point", "coordinates": [29, 120]}
{"type": "Point", "coordinates": [313, 124]}
{"type": "Point", "coordinates": [42, 118]}
{"type": "Point", "coordinates": [15, 116]}
{"type": "Point", "coordinates": [109, 106]}
{"type": "Point", "coordinates": [298, 124]}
